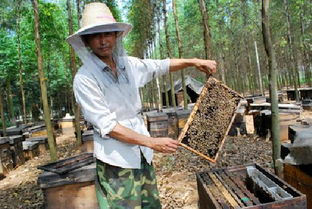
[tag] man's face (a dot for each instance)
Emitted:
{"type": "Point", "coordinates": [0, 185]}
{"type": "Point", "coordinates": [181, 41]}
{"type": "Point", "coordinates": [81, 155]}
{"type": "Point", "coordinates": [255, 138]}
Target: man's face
{"type": "Point", "coordinates": [102, 44]}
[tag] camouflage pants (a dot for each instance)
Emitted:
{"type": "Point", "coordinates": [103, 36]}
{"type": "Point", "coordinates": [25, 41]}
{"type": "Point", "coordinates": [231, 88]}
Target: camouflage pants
{"type": "Point", "coordinates": [123, 188]}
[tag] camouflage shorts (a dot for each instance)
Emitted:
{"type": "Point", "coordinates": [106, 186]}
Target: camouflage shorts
{"type": "Point", "coordinates": [123, 188]}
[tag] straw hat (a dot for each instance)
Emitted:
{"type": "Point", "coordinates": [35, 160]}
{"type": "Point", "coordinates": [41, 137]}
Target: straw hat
{"type": "Point", "coordinates": [97, 18]}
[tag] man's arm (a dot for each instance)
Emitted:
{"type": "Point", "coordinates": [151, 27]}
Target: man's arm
{"type": "Point", "coordinates": [206, 66]}
{"type": "Point", "coordinates": [164, 144]}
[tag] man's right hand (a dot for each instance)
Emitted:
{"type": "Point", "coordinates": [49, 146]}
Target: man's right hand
{"type": "Point", "coordinates": [163, 144]}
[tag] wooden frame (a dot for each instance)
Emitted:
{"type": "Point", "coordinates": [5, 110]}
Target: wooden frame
{"type": "Point", "coordinates": [202, 95]}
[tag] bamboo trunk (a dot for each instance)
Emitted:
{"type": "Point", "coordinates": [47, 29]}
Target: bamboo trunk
{"type": "Point", "coordinates": [43, 87]}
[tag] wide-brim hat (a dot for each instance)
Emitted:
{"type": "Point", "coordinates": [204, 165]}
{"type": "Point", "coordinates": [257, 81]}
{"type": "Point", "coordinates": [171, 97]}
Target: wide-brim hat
{"type": "Point", "coordinates": [97, 18]}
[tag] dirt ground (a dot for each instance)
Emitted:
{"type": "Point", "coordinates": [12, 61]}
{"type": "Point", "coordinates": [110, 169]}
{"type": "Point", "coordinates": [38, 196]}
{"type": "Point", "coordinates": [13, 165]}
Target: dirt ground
{"type": "Point", "coordinates": [175, 173]}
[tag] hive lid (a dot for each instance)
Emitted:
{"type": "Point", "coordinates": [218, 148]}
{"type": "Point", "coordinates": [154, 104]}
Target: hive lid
{"type": "Point", "coordinates": [69, 164]}
{"type": "Point", "coordinates": [15, 139]}
{"type": "Point", "coordinates": [30, 145]}
{"type": "Point", "coordinates": [210, 120]}
{"type": "Point", "coordinates": [156, 116]}
{"type": "Point", "coordinates": [4, 140]}
{"type": "Point", "coordinates": [40, 139]}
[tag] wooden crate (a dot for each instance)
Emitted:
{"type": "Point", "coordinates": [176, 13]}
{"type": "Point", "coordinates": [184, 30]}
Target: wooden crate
{"type": "Point", "coordinates": [300, 177]}
{"type": "Point", "coordinates": [6, 161]}
{"type": "Point", "coordinates": [75, 189]}
{"type": "Point", "coordinates": [210, 120]}
{"type": "Point", "coordinates": [16, 143]}
{"type": "Point", "coordinates": [182, 116]}
{"type": "Point", "coordinates": [231, 188]}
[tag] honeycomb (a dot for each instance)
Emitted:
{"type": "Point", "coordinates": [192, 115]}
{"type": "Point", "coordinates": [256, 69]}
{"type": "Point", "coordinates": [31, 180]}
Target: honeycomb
{"type": "Point", "coordinates": [210, 119]}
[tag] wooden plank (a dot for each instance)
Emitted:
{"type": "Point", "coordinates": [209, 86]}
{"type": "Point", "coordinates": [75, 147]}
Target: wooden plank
{"type": "Point", "coordinates": [223, 190]}
{"type": "Point", "coordinates": [215, 191]}
{"type": "Point", "coordinates": [242, 198]}
{"type": "Point", "coordinates": [242, 186]}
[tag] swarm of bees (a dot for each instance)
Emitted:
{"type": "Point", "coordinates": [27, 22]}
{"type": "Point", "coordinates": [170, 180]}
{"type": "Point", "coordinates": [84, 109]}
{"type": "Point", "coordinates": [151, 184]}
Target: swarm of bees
{"type": "Point", "coordinates": [212, 118]}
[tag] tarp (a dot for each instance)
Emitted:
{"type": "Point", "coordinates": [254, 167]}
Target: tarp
{"type": "Point", "coordinates": [193, 88]}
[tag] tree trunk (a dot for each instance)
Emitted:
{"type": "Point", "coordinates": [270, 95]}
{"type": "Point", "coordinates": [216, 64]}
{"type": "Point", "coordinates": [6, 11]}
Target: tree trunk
{"type": "Point", "coordinates": [292, 51]}
{"type": "Point", "coordinates": [2, 114]}
{"type": "Point", "coordinates": [74, 71]}
{"type": "Point", "coordinates": [161, 54]}
{"type": "Point", "coordinates": [10, 101]}
{"type": "Point", "coordinates": [259, 70]}
{"type": "Point", "coordinates": [206, 32]}
{"type": "Point", "coordinates": [169, 54]}
{"type": "Point", "coordinates": [78, 11]}
{"type": "Point", "coordinates": [43, 87]}
{"type": "Point", "coordinates": [275, 132]}
{"type": "Point", "coordinates": [180, 51]}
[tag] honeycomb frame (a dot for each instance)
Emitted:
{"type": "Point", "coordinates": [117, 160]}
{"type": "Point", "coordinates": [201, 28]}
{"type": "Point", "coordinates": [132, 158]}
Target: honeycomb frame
{"type": "Point", "coordinates": [185, 138]}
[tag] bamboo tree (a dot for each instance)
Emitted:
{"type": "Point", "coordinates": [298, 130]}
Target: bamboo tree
{"type": "Point", "coordinates": [275, 129]}
{"type": "Point", "coordinates": [169, 54]}
{"type": "Point", "coordinates": [43, 87]}
{"type": "Point", "coordinates": [180, 51]}
{"type": "Point", "coordinates": [74, 71]}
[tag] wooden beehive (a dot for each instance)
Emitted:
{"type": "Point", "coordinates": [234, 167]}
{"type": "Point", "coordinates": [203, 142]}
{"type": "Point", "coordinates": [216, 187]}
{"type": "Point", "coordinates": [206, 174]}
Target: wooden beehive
{"type": "Point", "coordinates": [42, 141]}
{"type": "Point", "coordinates": [30, 149]}
{"type": "Point", "coordinates": [87, 141]}
{"type": "Point", "coordinates": [17, 150]}
{"type": "Point", "coordinates": [210, 120]}
{"type": "Point", "coordinates": [6, 161]}
{"type": "Point", "coordinates": [233, 188]}
{"type": "Point", "coordinates": [75, 189]}
{"type": "Point", "coordinates": [157, 124]}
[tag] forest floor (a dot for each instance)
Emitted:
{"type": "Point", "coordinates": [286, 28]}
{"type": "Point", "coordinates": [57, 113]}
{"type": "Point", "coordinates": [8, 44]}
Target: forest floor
{"type": "Point", "coordinates": [175, 173]}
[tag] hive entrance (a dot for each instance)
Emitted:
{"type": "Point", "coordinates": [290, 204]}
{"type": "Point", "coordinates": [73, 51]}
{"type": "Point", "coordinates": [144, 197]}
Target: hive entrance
{"type": "Point", "coordinates": [210, 119]}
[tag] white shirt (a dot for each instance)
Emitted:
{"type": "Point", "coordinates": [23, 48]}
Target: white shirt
{"type": "Point", "coordinates": [106, 100]}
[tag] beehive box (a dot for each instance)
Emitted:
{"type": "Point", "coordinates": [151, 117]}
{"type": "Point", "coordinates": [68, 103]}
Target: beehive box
{"type": "Point", "coordinates": [42, 141]}
{"type": "Point", "coordinates": [75, 189]}
{"type": "Point", "coordinates": [6, 161]}
{"type": "Point", "coordinates": [157, 124]}
{"type": "Point", "coordinates": [233, 188]}
{"type": "Point", "coordinates": [16, 143]}
{"type": "Point", "coordinates": [210, 120]}
{"type": "Point", "coordinates": [30, 149]}
{"type": "Point", "coordinates": [87, 141]}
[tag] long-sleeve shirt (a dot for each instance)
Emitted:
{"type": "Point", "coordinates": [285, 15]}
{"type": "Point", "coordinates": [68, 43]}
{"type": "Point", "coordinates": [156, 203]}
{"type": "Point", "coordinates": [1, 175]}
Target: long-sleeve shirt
{"type": "Point", "coordinates": [106, 100]}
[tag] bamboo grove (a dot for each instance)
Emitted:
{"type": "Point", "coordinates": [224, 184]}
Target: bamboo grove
{"type": "Point", "coordinates": [228, 31]}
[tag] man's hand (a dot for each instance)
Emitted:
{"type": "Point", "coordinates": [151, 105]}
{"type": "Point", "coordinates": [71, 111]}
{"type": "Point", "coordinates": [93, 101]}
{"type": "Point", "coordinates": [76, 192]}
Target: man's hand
{"type": "Point", "coordinates": [206, 66]}
{"type": "Point", "coordinates": [163, 144]}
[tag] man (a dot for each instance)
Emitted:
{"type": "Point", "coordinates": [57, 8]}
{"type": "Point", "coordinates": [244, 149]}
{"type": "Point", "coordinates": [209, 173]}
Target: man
{"type": "Point", "coordinates": [106, 87]}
